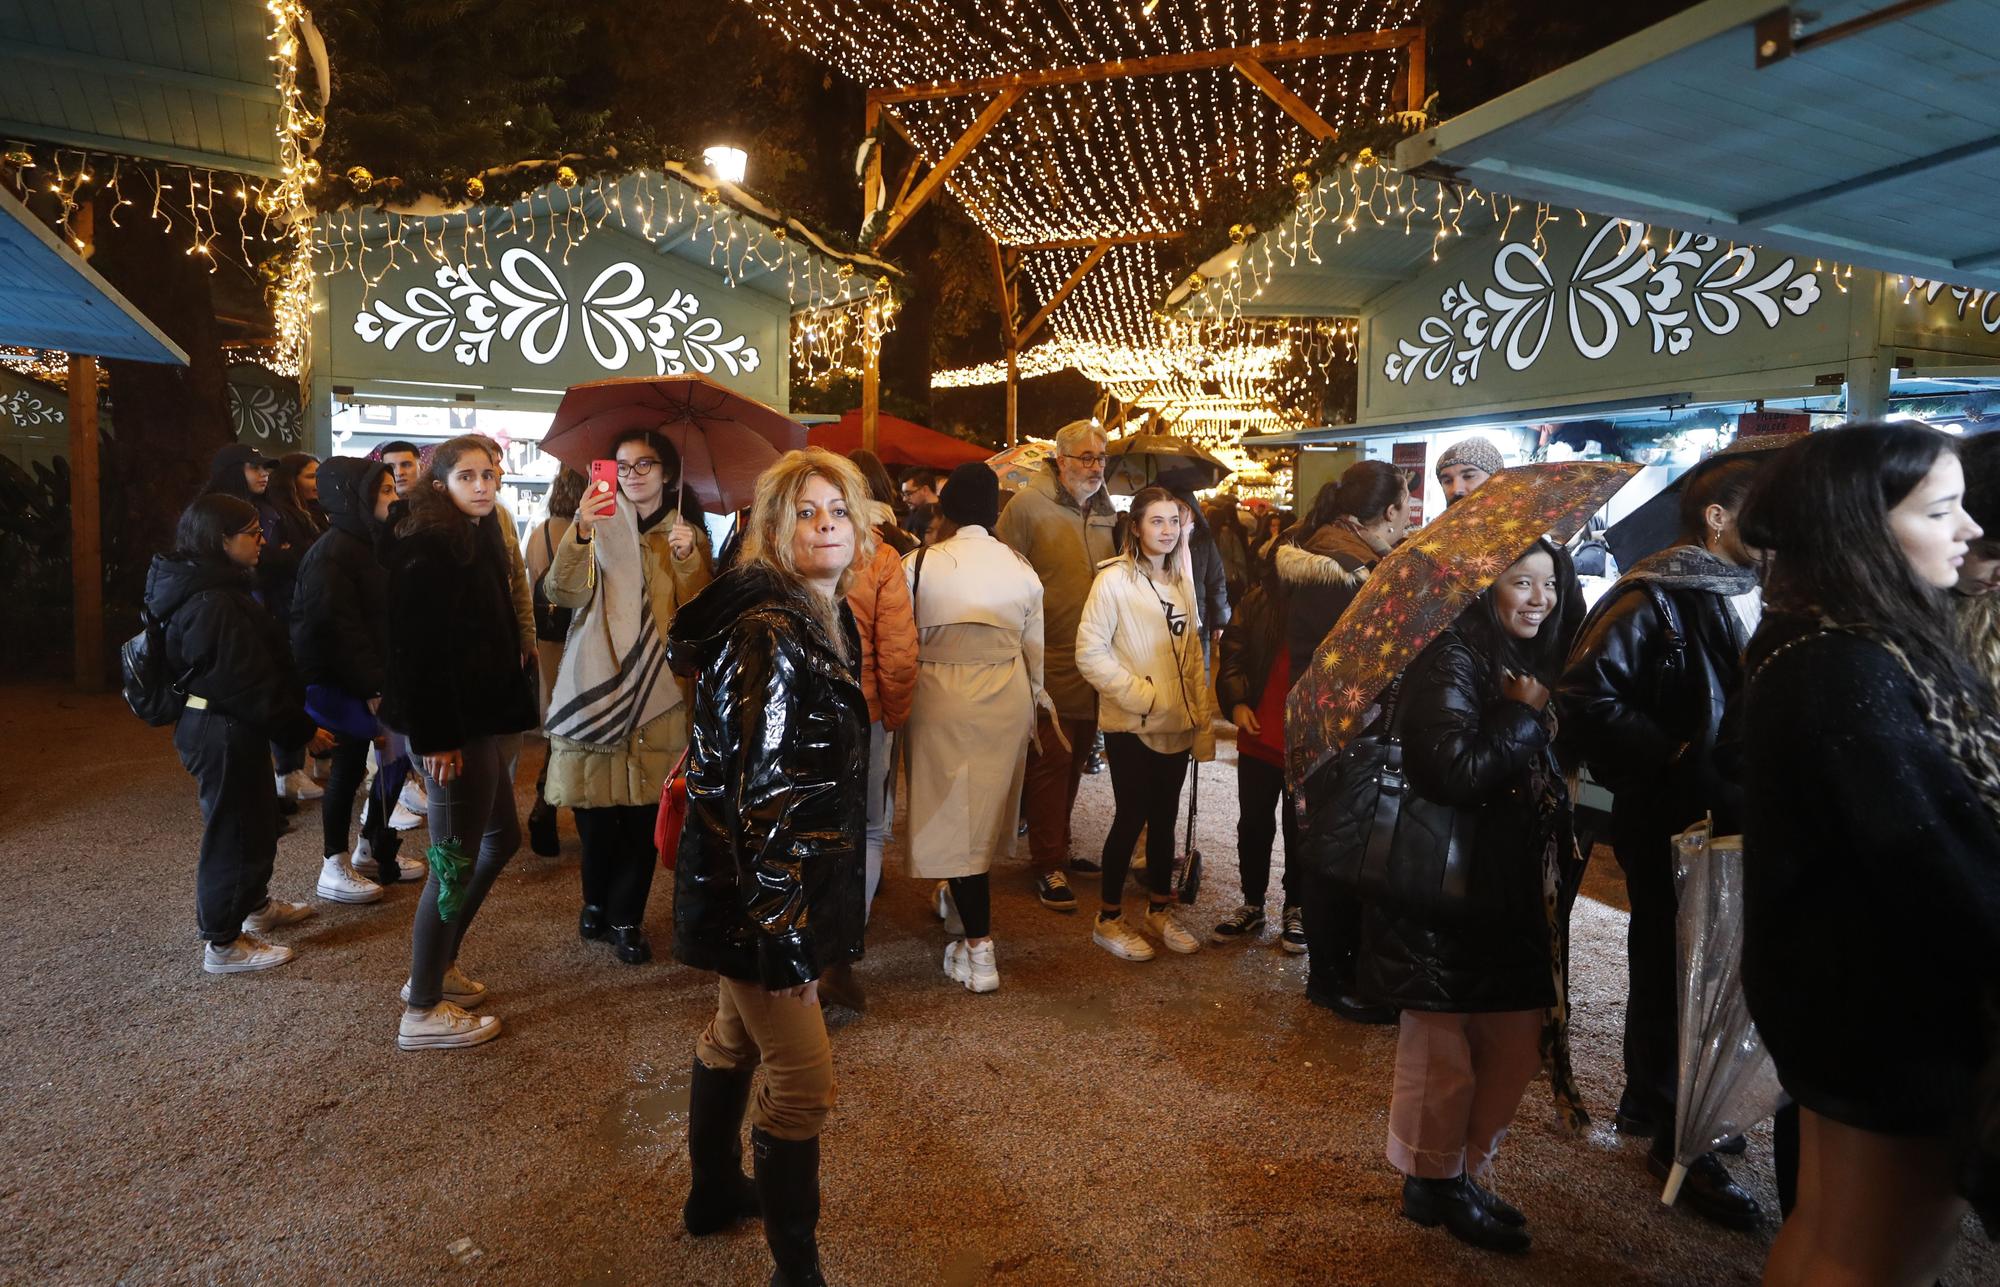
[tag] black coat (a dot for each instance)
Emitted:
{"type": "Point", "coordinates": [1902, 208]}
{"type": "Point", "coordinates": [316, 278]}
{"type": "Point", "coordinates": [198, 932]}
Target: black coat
{"type": "Point", "coordinates": [1871, 886]}
{"type": "Point", "coordinates": [1467, 747]}
{"type": "Point", "coordinates": [768, 880]}
{"type": "Point", "coordinates": [232, 651]}
{"type": "Point", "coordinates": [1251, 644]}
{"type": "Point", "coordinates": [340, 627]}
{"type": "Point", "coordinates": [1649, 739]}
{"type": "Point", "coordinates": [1209, 581]}
{"type": "Point", "coordinates": [455, 671]}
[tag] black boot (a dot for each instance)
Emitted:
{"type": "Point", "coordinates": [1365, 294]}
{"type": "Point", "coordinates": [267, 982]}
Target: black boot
{"type": "Point", "coordinates": [788, 1187]}
{"type": "Point", "coordinates": [629, 941]}
{"type": "Point", "coordinates": [591, 923]}
{"type": "Point", "coordinates": [542, 837]}
{"type": "Point", "coordinates": [1710, 1191]}
{"type": "Point", "coordinates": [1455, 1205]}
{"type": "Point", "coordinates": [719, 1194]}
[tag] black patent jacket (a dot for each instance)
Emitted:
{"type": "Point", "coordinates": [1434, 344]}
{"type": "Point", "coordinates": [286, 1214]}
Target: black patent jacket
{"type": "Point", "coordinates": [1466, 746]}
{"type": "Point", "coordinates": [769, 873]}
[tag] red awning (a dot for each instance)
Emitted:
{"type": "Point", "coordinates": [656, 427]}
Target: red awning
{"type": "Point", "coordinates": [898, 442]}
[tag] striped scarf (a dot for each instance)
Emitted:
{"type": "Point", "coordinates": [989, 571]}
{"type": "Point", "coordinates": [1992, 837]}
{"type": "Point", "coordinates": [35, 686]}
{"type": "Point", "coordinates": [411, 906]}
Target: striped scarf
{"type": "Point", "coordinates": [613, 680]}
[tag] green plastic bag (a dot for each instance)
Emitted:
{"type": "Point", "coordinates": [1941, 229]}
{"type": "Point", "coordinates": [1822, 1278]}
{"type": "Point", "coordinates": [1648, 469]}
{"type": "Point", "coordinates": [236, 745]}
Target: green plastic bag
{"type": "Point", "coordinates": [451, 866]}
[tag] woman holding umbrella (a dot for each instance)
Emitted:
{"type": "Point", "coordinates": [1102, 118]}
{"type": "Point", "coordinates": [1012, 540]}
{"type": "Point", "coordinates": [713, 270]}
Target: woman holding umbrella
{"type": "Point", "coordinates": [1871, 778]}
{"type": "Point", "coordinates": [768, 883]}
{"type": "Point", "coordinates": [1476, 970]}
{"type": "Point", "coordinates": [616, 720]}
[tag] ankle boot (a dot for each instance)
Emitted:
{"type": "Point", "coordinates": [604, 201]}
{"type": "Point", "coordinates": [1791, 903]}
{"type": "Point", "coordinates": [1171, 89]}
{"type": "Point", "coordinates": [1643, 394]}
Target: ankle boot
{"type": "Point", "coordinates": [1453, 1204]}
{"type": "Point", "coordinates": [631, 944]}
{"type": "Point", "coordinates": [788, 1186]}
{"type": "Point", "coordinates": [719, 1194]}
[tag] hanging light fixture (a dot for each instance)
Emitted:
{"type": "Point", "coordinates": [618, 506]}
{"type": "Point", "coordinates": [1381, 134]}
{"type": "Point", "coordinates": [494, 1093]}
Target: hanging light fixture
{"type": "Point", "coordinates": [725, 162]}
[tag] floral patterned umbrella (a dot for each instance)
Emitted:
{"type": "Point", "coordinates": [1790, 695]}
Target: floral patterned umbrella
{"type": "Point", "coordinates": [725, 439]}
{"type": "Point", "coordinates": [1421, 587]}
{"type": "Point", "coordinates": [1021, 465]}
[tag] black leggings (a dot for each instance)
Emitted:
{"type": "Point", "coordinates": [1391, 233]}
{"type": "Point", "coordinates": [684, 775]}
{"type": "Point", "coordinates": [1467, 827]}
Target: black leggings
{"type": "Point", "coordinates": [973, 896]}
{"type": "Point", "coordinates": [618, 860]}
{"type": "Point", "coordinates": [1146, 792]}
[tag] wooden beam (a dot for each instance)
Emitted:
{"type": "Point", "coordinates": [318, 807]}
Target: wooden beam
{"type": "Point", "coordinates": [1002, 282]}
{"type": "Point", "coordinates": [909, 177]}
{"type": "Point", "coordinates": [1090, 261]}
{"type": "Point", "coordinates": [1414, 83]}
{"type": "Point", "coordinates": [1274, 89]}
{"type": "Point", "coordinates": [1013, 397]}
{"type": "Point", "coordinates": [909, 205]}
{"type": "Point", "coordinates": [86, 550]}
{"type": "Point", "coordinates": [871, 392]}
{"type": "Point", "coordinates": [1078, 243]}
{"type": "Point", "coordinates": [1160, 65]}
{"type": "Point", "coordinates": [871, 183]}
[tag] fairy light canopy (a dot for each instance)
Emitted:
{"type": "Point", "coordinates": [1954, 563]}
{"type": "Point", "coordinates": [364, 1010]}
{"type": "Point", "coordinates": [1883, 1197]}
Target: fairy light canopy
{"type": "Point", "coordinates": [1108, 130]}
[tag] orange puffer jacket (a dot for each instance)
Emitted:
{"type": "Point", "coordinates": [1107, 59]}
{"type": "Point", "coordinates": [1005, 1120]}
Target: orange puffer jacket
{"type": "Point", "coordinates": [880, 600]}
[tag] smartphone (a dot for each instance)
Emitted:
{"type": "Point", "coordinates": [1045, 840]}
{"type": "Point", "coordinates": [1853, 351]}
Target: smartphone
{"type": "Point", "coordinates": [604, 472]}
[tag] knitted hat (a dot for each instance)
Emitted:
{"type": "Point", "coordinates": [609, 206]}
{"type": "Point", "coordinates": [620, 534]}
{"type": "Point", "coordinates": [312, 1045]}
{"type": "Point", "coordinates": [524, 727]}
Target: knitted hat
{"type": "Point", "coordinates": [1480, 453]}
{"type": "Point", "coordinates": [971, 496]}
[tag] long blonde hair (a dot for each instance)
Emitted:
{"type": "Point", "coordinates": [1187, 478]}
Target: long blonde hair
{"type": "Point", "coordinates": [767, 540]}
{"type": "Point", "coordinates": [1179, 563]}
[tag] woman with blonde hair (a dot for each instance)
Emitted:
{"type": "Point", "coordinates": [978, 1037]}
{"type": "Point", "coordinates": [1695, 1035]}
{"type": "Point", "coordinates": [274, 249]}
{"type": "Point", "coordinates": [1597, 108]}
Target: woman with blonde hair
{"type": "Point", "coordinates": [768, 883]}
{"type": "Point", "coordinates": [1139, 645]}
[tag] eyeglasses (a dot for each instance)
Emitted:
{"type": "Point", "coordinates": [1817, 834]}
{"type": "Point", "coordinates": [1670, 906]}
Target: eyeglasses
{"type": "Point", "coordinates": [253, 531]}
{"type": "Point", "coordinates": [1089, 460]}
{"type": "Point", "coordinates": [637, 468]}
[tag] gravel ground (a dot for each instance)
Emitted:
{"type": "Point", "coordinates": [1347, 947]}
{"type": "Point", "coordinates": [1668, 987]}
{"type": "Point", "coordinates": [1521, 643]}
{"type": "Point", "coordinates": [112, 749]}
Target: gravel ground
{"type": "Point", "coordinates": [1187, 1120]}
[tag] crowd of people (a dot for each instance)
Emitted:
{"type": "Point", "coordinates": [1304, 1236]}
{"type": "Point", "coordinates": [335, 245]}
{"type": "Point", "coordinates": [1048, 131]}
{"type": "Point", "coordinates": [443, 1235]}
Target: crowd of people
{"type": "Point", "coordinates": [1810, 663]}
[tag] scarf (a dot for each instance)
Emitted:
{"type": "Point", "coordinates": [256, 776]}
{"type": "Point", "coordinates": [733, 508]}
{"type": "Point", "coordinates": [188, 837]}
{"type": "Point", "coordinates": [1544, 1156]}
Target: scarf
{"type": "Point", "coordinates": [1689, 567]}
{"type": "Point", "coordinates": [613, 680]}
{"type": "Point", "coordinates": [1562, 867]}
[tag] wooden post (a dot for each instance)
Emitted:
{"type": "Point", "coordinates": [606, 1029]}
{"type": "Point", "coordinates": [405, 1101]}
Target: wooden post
{"type": "Point", "coordinates": [871, 393]}
{"type": "Point", "coordinates": [86, 552]}
{"type": "Point", "coordinates": [1414, 82]}
{"type": "Point", "coordinates": [1013, 396]}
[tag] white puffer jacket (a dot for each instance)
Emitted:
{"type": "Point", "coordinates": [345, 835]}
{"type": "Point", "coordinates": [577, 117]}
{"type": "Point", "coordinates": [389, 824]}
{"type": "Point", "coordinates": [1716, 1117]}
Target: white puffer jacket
{"type": "Point", "coordinates": [1126, 647]}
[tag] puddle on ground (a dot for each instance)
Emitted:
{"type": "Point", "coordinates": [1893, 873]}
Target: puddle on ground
{"type": "Point", "coordinates": [649, 1110]}
{"type": "Point", "coordinates": [1089, 1011]}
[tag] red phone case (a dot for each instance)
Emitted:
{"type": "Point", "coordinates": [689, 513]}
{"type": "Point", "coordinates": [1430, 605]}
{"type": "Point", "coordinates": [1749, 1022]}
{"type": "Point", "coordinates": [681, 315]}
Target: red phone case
{"type": "Point", "coordinates": [603, 471]}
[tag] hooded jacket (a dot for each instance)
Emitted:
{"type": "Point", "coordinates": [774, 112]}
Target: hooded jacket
{"type": "Point", "coordinates": [1137, 646]}
{"type": "Point", "coordinates": [340, 630]}
{"type": "Point", "coordinates": [454, 669]}
{"type": "Point", "coordinates": [285, 541]}
{"type": "Point", "coordinates": [1064, 544]}
{"type": "Point", "coordinates": [1321, 573]}
{"type": "Point", "coordinates": [232, 651]}
{"type": "Point", "coordinates": [768, 878]}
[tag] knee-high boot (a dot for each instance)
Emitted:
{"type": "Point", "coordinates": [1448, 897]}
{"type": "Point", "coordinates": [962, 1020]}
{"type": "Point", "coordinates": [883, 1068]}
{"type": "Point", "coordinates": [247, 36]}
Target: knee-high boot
{"type": "Point", "coordinates": [788, 1184]}
{"type": "Point", "coordinates": [719, 1194]}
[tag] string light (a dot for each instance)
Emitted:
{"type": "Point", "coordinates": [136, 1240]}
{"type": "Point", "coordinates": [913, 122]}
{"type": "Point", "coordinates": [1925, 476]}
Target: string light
{"type": "Point", "coordinates": [286, 200]}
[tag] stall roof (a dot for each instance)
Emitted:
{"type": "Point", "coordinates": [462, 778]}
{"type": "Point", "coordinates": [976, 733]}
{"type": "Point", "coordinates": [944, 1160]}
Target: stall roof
{"type": "Point", "coordinates": [183, 81]}
{"type": "Point", "coordinates": [1870, 135]}
{"type": "Point", "coordinates": [51, 299]}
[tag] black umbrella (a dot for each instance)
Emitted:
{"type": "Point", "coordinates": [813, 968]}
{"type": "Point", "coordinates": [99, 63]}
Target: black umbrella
{"type": "Point", "coordinates": [1653, 526]}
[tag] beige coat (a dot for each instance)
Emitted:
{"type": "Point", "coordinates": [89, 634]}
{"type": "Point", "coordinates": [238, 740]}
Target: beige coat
{"type": "Point", "coordinates": [591, 777]}
{"type": "Point", "coordinates": [543, 540]}
{"type": "Point", "coordinates": [1064, 545]}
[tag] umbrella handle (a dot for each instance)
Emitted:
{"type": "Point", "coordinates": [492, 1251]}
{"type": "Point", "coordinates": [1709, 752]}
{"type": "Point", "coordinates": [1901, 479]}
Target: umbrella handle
{"type": "Point", "coordinates": [1673, 1189]}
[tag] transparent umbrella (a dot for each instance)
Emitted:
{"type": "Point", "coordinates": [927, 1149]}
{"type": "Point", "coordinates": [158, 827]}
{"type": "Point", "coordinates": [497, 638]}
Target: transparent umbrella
{"type": "Point", "coordinates": [1727, 1081]}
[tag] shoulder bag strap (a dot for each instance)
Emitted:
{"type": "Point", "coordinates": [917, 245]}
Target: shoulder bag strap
{"type": "Point", "coordinates": [1390, 786]}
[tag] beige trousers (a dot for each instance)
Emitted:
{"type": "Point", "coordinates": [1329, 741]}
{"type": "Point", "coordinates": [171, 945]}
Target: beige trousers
{"type": "Point", "coordinates": [1459, 1078]}
{"type": "Point", "coordinates": [752, 1026]}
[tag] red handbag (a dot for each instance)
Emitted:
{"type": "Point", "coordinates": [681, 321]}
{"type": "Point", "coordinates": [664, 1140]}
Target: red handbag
{"type": "Point", "coordinates": [673, 812]}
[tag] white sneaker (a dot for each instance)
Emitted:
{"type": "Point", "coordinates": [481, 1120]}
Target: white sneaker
{"type": "Point", "coordinates": [339, 885]}
{"type": "Point", "coordinates": [459, 990]}
{"type": "Point", "coordinates": [298, 785]}
{"type": "Point", "coordinates": [274, 913]}
{"type": "Point", "coordinates": [247, 953]}
{"type": "Point", "coordinates": [1167, 927]}
{"type": "Point", "coordinates": [975, 967]}
{"type": "Point", "coordinates": [366, 864]}
{"type": "Point", "coordinates": [413, 796]}
{"type": "Point", "coordinates": [1120, 939]}
{"type": "Point", "coordinates": [444, 1027]}
{"type": "Point", "coordinates": [947, 910]}
{"type": "Point", "coordinates": [402, 819]}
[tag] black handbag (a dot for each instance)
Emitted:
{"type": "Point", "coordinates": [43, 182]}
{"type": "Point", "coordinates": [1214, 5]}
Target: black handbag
{"type": "Point", "coordinates": [551, 622]}
{"type": "Point", "coordinates": [1384, 842]}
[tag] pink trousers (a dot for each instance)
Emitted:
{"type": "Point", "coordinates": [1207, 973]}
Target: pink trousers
{"type": "Point", "coordinates": [1459, 1078]}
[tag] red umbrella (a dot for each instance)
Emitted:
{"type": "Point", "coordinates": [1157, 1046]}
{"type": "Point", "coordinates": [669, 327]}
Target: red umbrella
{"type": "Point", "coordinates": [898, 442]}
{"type": "Point", "coordinates": [725, 439]}
{"type": "Point", "coordinates": [1421, 587]}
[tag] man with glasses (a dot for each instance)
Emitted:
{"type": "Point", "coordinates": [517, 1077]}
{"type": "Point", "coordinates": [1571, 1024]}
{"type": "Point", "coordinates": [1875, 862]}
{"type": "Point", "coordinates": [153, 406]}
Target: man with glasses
{"type": "Point", "coordinates": [919, 487]}
{"type": "Point", "coordinates": [1063, 524]}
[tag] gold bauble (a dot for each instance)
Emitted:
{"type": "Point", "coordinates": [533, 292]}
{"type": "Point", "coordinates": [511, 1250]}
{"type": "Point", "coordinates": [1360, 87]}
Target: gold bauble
{"type": "Point", "coordinates": [1366, 158]}
{"type": "Point", "coordinates": [779, 234]}
{"type": "Point", "coordinates": [360, 179]}
{"type": "Point", "coordinates": [475, 188]}
{"type": "Point", "coordinates": [19, 158]}
{"type": "Point", "coordinates": [712, 197]}
{"type": "Point", "coordinates": [309, 173]}
{"type": "Point", "coordinates": [565, 177]}
{"type": "Point", "coordinates": [1238, 234]}
{"type": "Point", "coordinates": [1302, 181]}
{"type": "Point", "coordinates": [846, 271]}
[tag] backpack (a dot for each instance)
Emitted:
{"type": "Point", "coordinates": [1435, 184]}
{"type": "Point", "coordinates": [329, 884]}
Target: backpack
{"type": "Point", "coordinates": [142, 666]}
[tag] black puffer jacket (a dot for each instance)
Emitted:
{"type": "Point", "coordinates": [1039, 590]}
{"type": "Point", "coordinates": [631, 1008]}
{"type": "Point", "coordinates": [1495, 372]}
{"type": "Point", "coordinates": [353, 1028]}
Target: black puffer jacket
{"type": "Point", "coordinates": [1652, 741]}
{"type": "Point", "coordinates": [1871, 924]}
{"type": "Point", "coordinates": [455, 670]}
{"type": "Point", "coordinates": [232, 651]}
{"type": "Point", "coordinates": [1466, 746]}
{"type": "Point", "coordinates": [1253, 641]}
{"type": "Point", "coordinates": [1322, 572]}
{"type": "Point", "coordinates": [340, 631]}
{"type": "Point", "coordinates": [768, 882]}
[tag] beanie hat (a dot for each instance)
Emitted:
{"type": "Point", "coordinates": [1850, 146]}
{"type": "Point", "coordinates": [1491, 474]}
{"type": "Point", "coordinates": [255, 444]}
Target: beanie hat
{"type": "Point", "coordinates": [1480, 453]}
{"type": "Point", "coordinates": [971, 496]}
